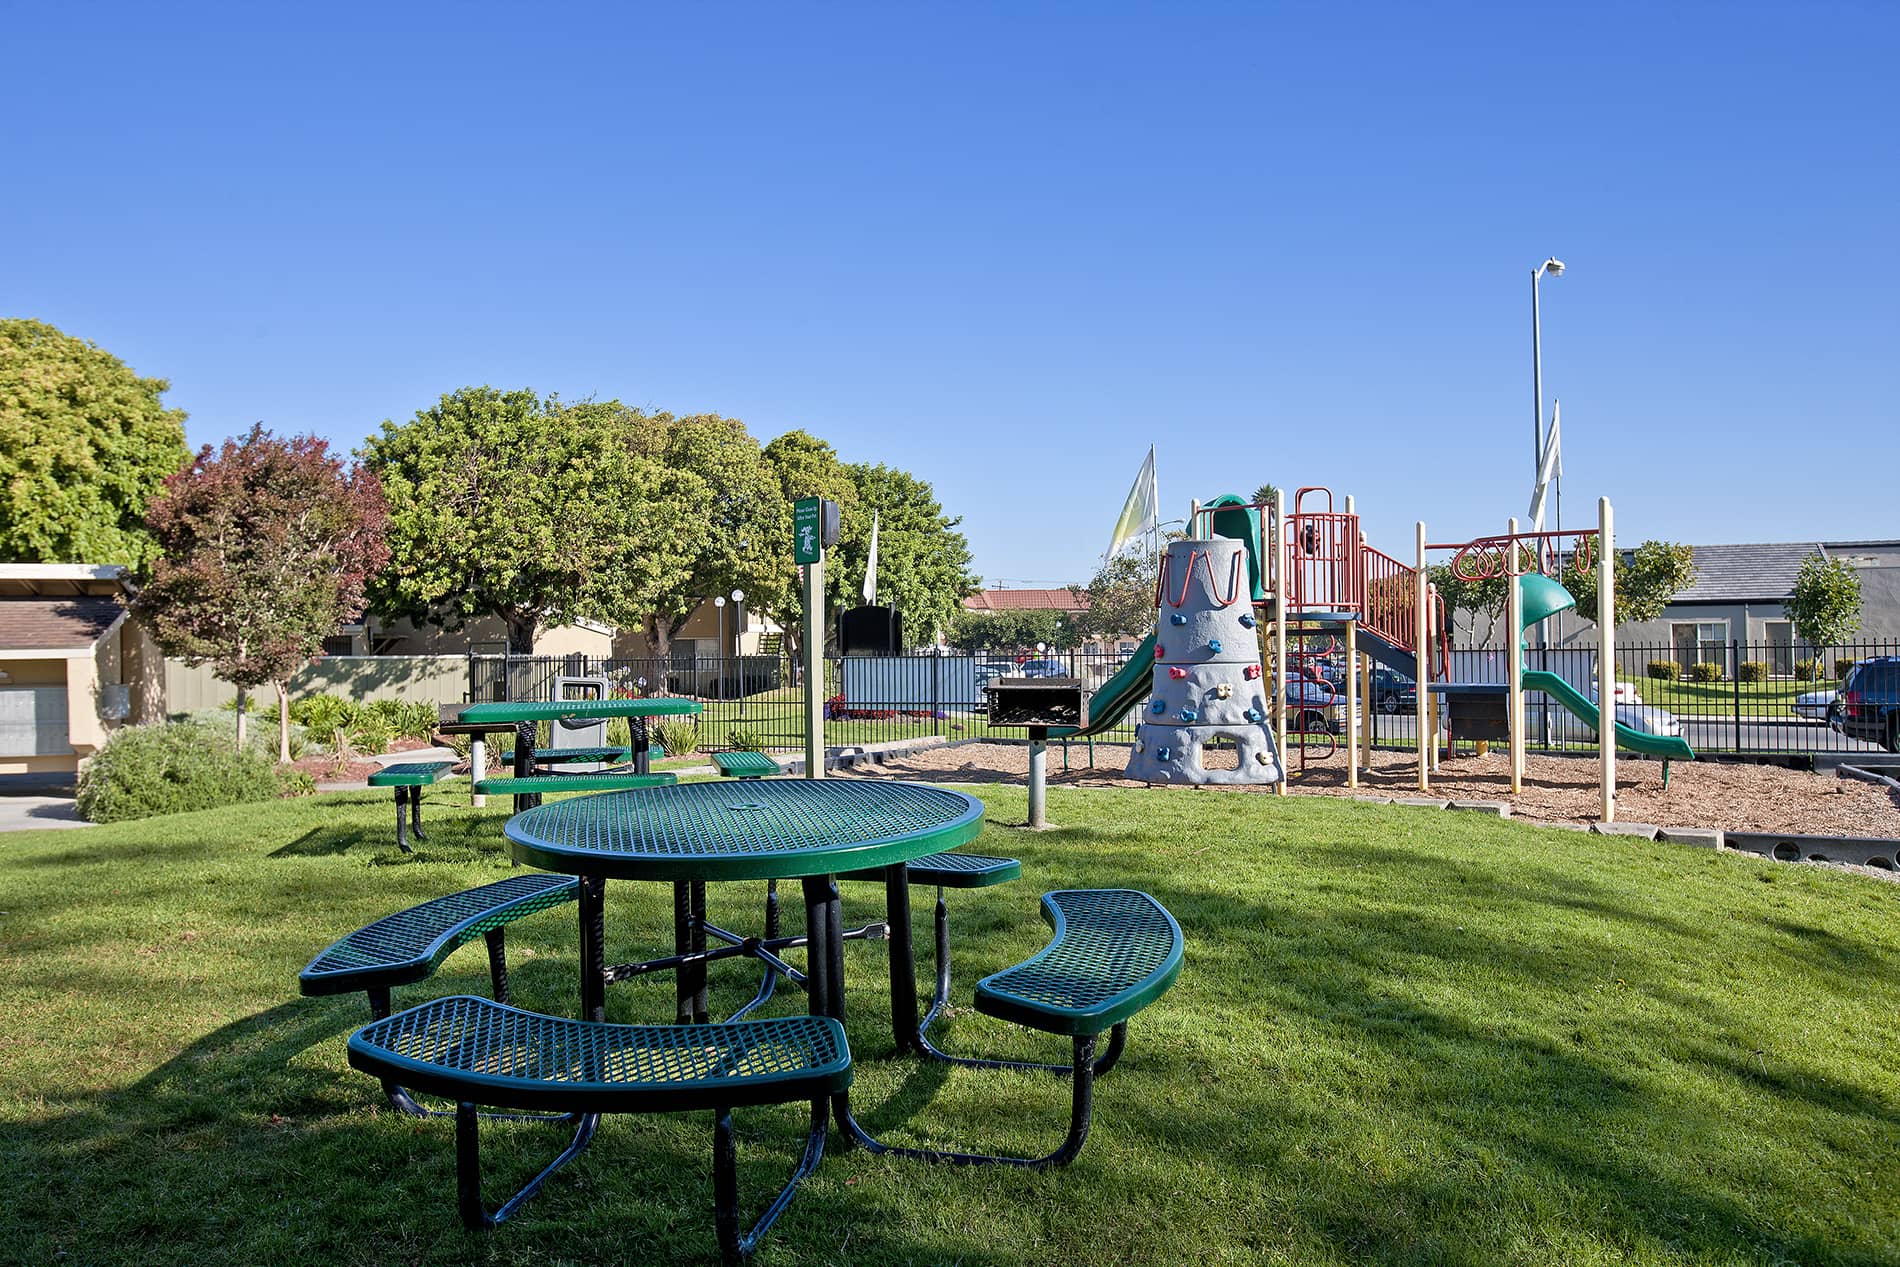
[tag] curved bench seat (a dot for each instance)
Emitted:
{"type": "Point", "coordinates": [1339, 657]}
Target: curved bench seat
{"type": "Point", "coordinates": [1115, 951]}
{"type": "Point", "coordinates": [478, 1052]}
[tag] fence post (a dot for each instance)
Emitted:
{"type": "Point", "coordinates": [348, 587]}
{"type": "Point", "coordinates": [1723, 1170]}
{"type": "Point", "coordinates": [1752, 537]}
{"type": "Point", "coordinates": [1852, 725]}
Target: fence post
{"type": "Point", "coordinates": [936, 693]}
{"type": "Point", "coordinates": [1735, 658]}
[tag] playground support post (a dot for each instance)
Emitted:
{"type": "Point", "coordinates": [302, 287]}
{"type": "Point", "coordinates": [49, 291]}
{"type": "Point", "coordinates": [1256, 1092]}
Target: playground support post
{"type": "Point", "coordinates": [1352, 679]}
{"type": "Point", "coordinates": [1280, 596]}
{"type": "Point", "coordinates": [1365, 731]}
{"type": "Point", "coordinates": [814, 649]}
{"type": "Point", "coordinates": [1606, 655]}
{"type": "Point", "coordinates": [1421, 603]}
{"type": "Point", "coordinates": [1514, 662]}
{"type": "Point", "coordinates": [1038, 777]}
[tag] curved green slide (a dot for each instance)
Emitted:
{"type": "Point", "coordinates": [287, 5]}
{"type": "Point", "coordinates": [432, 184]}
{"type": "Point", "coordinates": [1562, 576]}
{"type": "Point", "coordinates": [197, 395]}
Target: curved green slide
{"type": "Point", "coordinates": [1580, 706]}
{"type": "Point", "coordinates": [1543, 598]}
{"type": "Point", "coordinates": [1119, 694]}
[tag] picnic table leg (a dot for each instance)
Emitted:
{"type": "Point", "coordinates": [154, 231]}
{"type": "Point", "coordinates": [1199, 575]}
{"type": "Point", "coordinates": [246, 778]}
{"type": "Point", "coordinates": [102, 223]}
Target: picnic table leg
{"type": "Point", "coordinates": [524, 763]}
{"type": "Point", "coordinates": [697, 975]}
{"type": "Point", "coordinates": [415, 813]}
{"type": "Point", "coordinates": [402, 824]}
{"type": "Point", "coordinates": [903, 958]}
{"type": "Point", "coordinates": [477, 769]}
{"type": "Point", "coordinates": [683, 985]}
{"type": "Point", "coordinates": [637, 728]}
{"type": "Point", "coordinates": [593, 900]}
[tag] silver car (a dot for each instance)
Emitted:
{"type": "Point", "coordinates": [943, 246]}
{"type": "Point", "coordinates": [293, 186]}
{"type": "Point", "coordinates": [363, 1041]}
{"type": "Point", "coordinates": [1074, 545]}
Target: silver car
{"type": "Point", "coordinates": [1818, 705]}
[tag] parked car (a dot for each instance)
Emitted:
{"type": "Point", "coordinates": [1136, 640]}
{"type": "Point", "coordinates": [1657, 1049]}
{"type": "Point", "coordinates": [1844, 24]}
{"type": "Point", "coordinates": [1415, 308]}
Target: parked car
{"type": "Point", "coordinates": [1818, 705]}
{"type": "Point", "coordinates": [988, 671]}
{"type": "Point", "coordinates": [1870, 702]}
{"type": "Point", "coordinates": [1313, 706]}
{"type": "Point", "coordinates": [1042, 668]}
{"type": "Point", "coordinates": [1647, 718]}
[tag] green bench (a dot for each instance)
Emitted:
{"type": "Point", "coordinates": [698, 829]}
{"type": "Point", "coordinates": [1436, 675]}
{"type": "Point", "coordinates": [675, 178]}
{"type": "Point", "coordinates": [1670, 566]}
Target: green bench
{"type": "Point", "coordinates": [409, 778]}
{"type": "Point", "coordinates": [1114, 952]}
{"type": "Point", "coordinates": [746, 765]}
{"type": "Point", "coordinates": [561, 756]}
{"type": "Point", "coordinates": [535, 784]}
{"type": "Point", "coordinates": [480, 1053]}
{"type": "Point", "coordinates": [408, 946]}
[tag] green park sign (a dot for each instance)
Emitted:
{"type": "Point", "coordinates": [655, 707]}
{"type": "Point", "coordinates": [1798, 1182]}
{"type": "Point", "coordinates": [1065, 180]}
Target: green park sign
{"type": "Point", "coordinates": [807, 530]}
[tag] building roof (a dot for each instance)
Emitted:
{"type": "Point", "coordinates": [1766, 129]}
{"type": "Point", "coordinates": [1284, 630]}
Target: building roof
{"type": "Point", "coordinates": [1057, 600]}
{"type": "Point", "coordinates": [54, 580]}
{"type": "Point", "coordinates": [55, 624]}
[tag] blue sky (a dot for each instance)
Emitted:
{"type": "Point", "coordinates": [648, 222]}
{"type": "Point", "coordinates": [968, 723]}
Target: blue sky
{"type": "Point", "coordinates": [1008, 247]}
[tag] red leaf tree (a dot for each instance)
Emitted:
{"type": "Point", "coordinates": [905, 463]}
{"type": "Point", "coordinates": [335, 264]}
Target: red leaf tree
{"type": "Point", "coordinates": [267, 546]}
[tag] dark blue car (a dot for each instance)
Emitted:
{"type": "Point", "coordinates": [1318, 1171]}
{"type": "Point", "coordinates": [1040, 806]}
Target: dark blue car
{"type": "Point", "coordinates": [1870, 702]}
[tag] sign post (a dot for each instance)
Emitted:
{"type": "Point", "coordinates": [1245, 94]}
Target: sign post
{"type": "Point", "coordinates": [808, 551]}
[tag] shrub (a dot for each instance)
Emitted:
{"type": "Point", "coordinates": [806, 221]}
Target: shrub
{"type": "Point", "coordinates": [412, 721]}
{"type": "Point", "coordinates": [1752, 671]}
{"type": "Point", "coordinates": [324, 714]}
{"type": "Point", "coordinates": [1841, 667]}
{"type": "Point", "coordinates": [743, 739]}
{"type": "Point", "coordinates": [260, 730]}
{"type": "Point", "coordinates": [679, 736]}
{"type": "Point", "coordinates": [372, 734]}
{"type": "Point", "coordinates": [1807, 670]}
{"type": "Point", "coordinates": [1664, 670]}
{"type": "Point", "coordinates": [1705, 672]}
{"type": "Point", "coordinates": [296, 782]}
{"type": "Point", "coordinates": [168, 769]}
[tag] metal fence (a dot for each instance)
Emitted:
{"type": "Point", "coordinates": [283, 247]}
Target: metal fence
{"type": "Point", "coordinates": [1758, 698]}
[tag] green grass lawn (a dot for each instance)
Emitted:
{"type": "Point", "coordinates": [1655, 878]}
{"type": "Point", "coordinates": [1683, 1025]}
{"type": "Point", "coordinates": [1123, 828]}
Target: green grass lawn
{"type": "Point", "coordinates": [1401, 1036]}
{"type": "Point", "coordinates": [1772, 698]}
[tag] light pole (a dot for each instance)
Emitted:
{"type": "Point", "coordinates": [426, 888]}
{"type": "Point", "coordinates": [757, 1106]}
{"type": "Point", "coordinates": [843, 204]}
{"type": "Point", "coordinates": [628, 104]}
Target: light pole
{"type": "Point", "coordinates": [720, 604]}
{"type": "Point", "coordinates": [1555, 267]}
{"type": "Point", "coordinates": [738, 638]}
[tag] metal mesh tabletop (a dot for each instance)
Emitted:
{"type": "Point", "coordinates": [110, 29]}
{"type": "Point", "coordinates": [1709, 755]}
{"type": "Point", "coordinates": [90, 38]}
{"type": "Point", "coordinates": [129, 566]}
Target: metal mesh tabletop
{"type": "Point", "coordinates": [512, 711]}
{"type": "Point", "coordinates": [745, 831]}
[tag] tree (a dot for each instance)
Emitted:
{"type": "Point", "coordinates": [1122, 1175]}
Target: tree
{"type": "Point", "coordinates": [807, 467]}
{"type": "Point", "coordinates": [533, 511]}
{"type": "Point", "coordinates": [923, 562]}
{"type": "Point", "coordinates": [268, 545]}
{"type": "Point", "coordinates": [84, 446]}
{"type": "Point", "coordinates": [741, 536]}
{"type": "Point", "coordinates": [1482, 598]}
{"type": "Point", "coordinates": [1647, 580]}
{"type": "Point", "coordinates": [1009, 630]}
{"type": "Point", "coordinates": [1121, 597]}
{"type": "Point", "coordinates": [1825, 604]}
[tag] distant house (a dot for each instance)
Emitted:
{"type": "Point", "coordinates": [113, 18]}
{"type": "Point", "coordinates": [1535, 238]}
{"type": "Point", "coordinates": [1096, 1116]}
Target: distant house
{"type": "Point", "coordinates": [1065, 603]}
{"type": "Point", "coordinates": [1740, 596]}
{"type": "Point", "coordinates": [72, 667]}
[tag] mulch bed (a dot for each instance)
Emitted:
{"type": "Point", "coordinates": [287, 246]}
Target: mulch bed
{"type": "Point", "coordinates": [1730, 796]}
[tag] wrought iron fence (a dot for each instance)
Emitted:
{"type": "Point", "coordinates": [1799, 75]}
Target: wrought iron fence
{"type": "Point", "coordinates": [1736, 697]}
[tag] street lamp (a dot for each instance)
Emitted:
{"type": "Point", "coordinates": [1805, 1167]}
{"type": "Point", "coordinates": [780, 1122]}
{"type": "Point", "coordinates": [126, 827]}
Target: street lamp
{"type": "Point", "coordinates": [1555, 267]}
{"type": "Point", "coordinates": [720, 604]}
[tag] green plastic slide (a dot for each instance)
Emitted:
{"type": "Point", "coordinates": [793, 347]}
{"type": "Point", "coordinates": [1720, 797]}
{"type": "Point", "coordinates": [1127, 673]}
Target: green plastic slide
{"type": "Point", "coordinates": [1120, 693]}
{"type": "Point", "coordinates": [1578, 705]}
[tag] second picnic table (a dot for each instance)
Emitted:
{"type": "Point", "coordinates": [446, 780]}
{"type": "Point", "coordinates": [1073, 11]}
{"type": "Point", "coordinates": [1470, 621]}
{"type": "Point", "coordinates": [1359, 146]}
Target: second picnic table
{"type": "Point", "coordinates": [523, 716]}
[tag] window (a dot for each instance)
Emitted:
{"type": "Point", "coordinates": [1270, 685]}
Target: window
{"type": "Point", "coordinates": [1703, 642]}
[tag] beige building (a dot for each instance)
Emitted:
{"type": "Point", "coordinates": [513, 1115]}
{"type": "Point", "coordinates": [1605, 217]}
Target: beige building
{"type": "Point", "coordinates": [72, 667]}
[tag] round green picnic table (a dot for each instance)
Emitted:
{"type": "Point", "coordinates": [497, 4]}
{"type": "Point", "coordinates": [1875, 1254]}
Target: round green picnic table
{"type": "Point", "coordinates": [688, 834]}
{"type": "Point", "coordinates": [525, 715]}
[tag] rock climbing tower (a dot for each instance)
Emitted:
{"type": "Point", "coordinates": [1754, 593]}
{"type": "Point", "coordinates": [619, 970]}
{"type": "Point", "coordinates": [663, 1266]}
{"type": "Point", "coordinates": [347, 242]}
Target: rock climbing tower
{"type": "Point", "coordinates": [1207, 675]}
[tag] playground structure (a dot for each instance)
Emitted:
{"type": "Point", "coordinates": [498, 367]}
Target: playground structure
{"type": "Point", "coordinates": [1310, 573]}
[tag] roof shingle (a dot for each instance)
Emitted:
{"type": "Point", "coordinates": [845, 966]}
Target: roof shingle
{"type": "Point", "coordinates": [55, 624]}
{"type": "Point", "coordinates": [1058, 600]}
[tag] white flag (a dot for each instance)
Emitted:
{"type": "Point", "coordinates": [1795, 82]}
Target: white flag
{"type": "Point", "coordinates": [1139, 513]}
{"type": "Point", "coordinates": [870, 570]}
{"type": "Point", "coordinates": [1549, 469]}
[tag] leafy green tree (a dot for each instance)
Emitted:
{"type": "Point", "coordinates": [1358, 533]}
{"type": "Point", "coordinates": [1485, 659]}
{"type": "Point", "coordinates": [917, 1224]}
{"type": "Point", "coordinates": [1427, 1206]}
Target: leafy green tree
{"type": "Point", "coordinates": [84, 445]}
{"type": "Point", "coordinates": [1009, 631]}
{"type": "Point", "coordinates": [807, 467]}
{"type": "Point", "coordinates": [1647, 580]}
{"type": "Point", "coordinates": [268, 545]}
{"type": "Point", "coordinates": [1121, 597]}
{"type": "Point", "coordinates": [923, 562]}
{"type": "Point", "coordinates": [1825, 604]}
{"type": "Point", "coordinates": [742, 537]}
{"type": "Point", "coordinates": [534, 511]}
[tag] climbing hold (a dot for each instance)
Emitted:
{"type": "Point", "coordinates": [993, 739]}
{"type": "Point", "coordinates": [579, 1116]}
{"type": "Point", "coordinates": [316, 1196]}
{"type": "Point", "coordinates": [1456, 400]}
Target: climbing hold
{"type": "Point", "coordinates": [1251, 672]}
{"type": "Point", "coordinates": [1177, 618]}
{"type": "Point", "coordinates": [1188, 714]}
{"type": "Point", "coordinates": [1161, 652]}
{"type": "Point", "coordinates": [1161, 706]}
{"type": "Point", "coordinates": [1224, 691]}
{"type": "Point", "coordinates": [1177, 672]}
{"type": "Point", "coordinates": [1140, 746]}
{"type": "Point", "coordinates": [1254, 714]}
{"type": "Point", "coordinates": [1262, 758]}
{"type": "Point", "coordinates": [1246, 621]}
{"type": "Point", "coordinates": [1213, 644]}
{"type": "Point", "coordinates": [1164, 753]}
